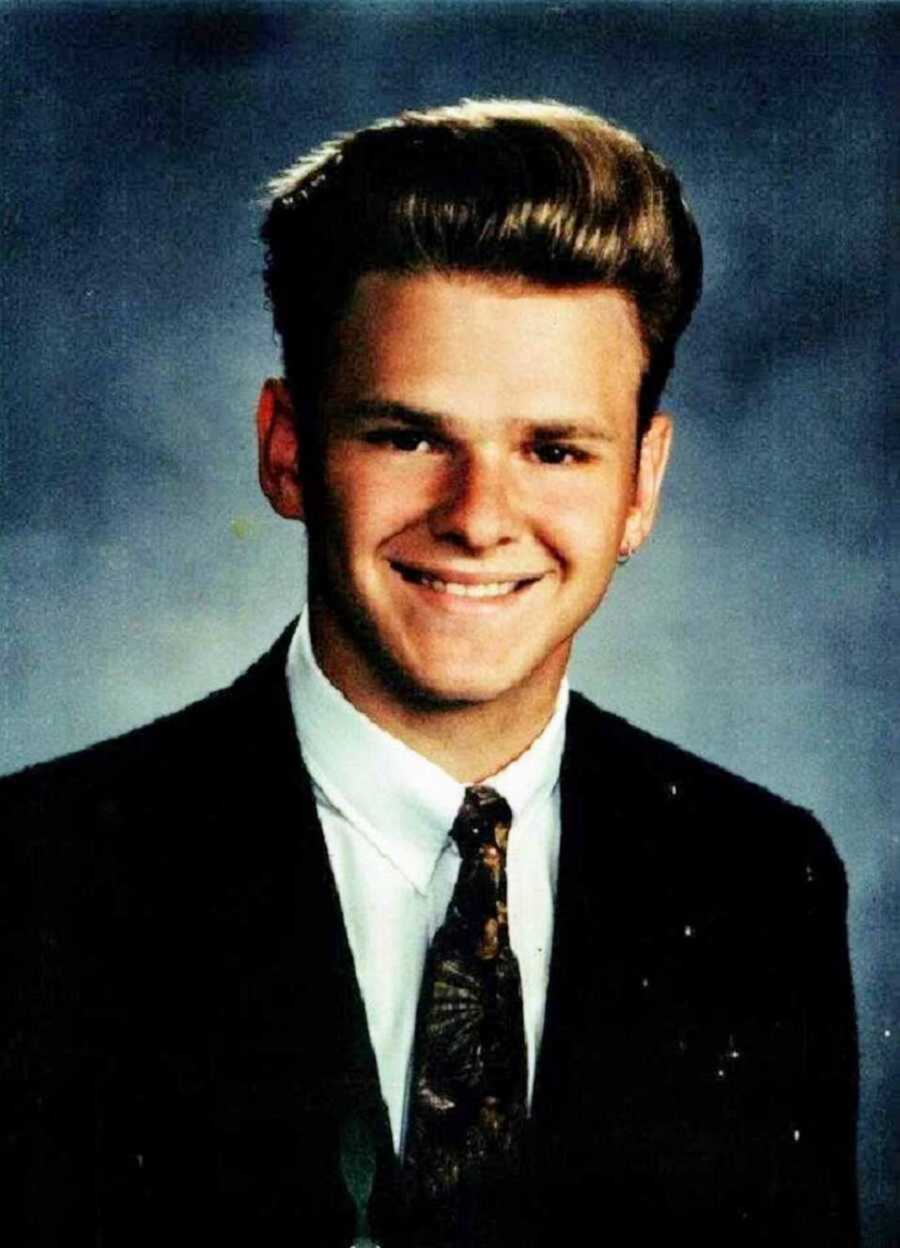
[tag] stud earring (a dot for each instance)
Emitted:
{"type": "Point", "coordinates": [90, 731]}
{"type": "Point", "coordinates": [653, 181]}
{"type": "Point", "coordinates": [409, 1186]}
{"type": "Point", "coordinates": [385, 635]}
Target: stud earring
{"type": "Point", "coordinates": [623, 556]}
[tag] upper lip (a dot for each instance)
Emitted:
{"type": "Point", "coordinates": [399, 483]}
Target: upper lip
{"type": "Point", "coordinates": [459, 577]}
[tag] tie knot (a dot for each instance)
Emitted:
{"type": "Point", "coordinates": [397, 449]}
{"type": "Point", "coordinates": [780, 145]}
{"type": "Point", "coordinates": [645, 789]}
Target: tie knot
{"type": "Point", "coordinates": [484, 819]}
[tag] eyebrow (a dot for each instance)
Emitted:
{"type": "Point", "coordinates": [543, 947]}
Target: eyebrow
{"type": "Point", "coordinates": [388, 409]}
{"type": "Point", "coordinates": [440, 423]}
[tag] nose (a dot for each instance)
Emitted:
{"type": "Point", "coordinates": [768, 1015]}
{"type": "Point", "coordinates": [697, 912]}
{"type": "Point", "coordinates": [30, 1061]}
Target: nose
{"type": "Point", "coordinates": [479, 506]}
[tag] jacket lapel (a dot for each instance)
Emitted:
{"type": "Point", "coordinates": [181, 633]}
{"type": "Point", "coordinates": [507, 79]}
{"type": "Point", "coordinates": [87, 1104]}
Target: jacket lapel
{"type": "Point", "coordinates": [613, 833]}
{"type": "Point", "coordinates": [299, 980]}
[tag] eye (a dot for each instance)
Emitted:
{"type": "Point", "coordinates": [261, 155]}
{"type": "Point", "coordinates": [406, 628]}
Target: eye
{"type": "Point", "coordinates": [557, 453]}
{"type": "Point", "coordinates": [409, 441]}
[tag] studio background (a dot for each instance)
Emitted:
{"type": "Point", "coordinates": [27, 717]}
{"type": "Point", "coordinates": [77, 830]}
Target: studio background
{"type": "Point", "coordinates": [142, 568]}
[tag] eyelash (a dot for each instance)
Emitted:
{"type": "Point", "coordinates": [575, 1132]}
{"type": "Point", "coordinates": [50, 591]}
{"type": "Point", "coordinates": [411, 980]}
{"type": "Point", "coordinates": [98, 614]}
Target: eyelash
{"type": "Point", "coordinates": [407, 441]}
{"type": "Point", "coordinates": [411, 441]}
{"type": "Point", "coordinates": [569, 454]}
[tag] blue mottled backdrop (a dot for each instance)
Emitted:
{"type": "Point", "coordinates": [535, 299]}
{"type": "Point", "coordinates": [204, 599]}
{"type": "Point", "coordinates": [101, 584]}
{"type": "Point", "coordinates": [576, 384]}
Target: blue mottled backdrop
{"type": "Point", "coordinates": [141, 567]}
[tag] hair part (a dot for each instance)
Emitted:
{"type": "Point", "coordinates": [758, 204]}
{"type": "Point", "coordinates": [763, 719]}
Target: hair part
{"type": "Point", "coordinates": [539, 191]}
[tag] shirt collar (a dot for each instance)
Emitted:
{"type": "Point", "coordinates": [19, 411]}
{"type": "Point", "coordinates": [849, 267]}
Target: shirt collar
{"type": "Point", "coordinates": [400, 801]}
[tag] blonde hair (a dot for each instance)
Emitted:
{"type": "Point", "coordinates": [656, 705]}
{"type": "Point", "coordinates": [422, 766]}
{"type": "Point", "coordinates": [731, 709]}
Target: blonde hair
{"type": "Point", "coordinates": [539, 191]}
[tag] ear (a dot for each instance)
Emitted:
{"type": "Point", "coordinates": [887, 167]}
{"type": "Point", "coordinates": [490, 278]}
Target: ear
{"type": "Point", "coordinates": [279, 450]}
{"type": "Point", "coordinates": [653, 458]}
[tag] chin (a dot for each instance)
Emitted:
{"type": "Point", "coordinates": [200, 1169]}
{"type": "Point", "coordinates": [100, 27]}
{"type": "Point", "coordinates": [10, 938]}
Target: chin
{"type": "Point", "coordinates": [427, 680]}
{"type": "Point", "coordinates": [470, 675]}
{"type": "Point", "coordinates": [442, 690]}
{"type": "Point", "coordinates": [467, 683]}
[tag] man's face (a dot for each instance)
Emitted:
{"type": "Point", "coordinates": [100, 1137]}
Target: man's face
{"type": "Point", "coordinates": [479, 477]}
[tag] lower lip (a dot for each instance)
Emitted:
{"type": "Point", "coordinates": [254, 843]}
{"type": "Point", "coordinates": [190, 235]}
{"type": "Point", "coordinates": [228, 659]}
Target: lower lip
{"type": "Point", "coordinates": [458, 604]}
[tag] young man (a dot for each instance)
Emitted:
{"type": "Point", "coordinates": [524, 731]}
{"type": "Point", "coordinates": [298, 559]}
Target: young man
{"type": "Point", "coordinates": [396, 938]}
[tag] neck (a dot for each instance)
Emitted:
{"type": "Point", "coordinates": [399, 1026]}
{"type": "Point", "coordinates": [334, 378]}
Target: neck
{"type": "Point", "coordinates": [469, 740]}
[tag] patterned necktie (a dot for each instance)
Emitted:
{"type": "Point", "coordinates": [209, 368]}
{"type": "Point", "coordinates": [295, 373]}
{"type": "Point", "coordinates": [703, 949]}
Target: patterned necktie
{"type": "Point", "coordinates": [468, 1101]}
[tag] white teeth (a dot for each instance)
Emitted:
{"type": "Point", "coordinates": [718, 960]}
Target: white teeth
{"type": "Point", "coordinates": [493, 589]}
{"type": "Point", "coordinates": [490, 589]}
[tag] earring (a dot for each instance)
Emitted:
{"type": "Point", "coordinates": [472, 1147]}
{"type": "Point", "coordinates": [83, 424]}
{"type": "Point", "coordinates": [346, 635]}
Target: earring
{"type": "Point", "coordinates": [623, 556]}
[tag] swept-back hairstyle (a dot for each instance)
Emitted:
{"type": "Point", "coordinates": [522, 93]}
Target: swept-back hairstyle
{"type": "Point", "coordinates": [510, 188]}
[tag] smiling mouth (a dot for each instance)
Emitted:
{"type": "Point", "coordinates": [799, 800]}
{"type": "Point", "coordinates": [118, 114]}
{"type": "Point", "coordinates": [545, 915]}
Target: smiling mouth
{"type": "Point", "coordinates": [460, 589]}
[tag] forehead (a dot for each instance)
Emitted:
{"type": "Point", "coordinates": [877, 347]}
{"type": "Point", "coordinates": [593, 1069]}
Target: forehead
{"type": "Point", "coordinates": [464, 341]}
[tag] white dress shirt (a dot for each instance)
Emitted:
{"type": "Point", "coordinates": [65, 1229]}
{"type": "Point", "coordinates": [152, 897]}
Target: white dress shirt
{"type": "Point", "coordinates": [386, 813]}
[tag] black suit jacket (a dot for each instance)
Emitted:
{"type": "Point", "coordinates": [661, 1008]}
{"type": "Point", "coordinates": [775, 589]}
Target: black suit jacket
{"type": "Point", "coordinates": [185, 1053]}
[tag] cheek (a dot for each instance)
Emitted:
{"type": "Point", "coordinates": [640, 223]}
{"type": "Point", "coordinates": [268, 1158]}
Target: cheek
{"type": "Point", "coordinates": [368, 507]}
{"type": "Point", "coordinates": [584, 521]}
{"type": "Point", "coordinates": [352, 489]}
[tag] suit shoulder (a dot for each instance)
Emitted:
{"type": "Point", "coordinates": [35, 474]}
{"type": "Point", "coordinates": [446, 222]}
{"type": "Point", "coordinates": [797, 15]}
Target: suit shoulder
{"type": "Point", "coordinates": [661, 773]}
{"type": "Point", "coordinates": [101, 762]}
{"type": "Point", "coordinates": [185, 741]}
{"type": "Point", "coordinates": [199, 738]}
